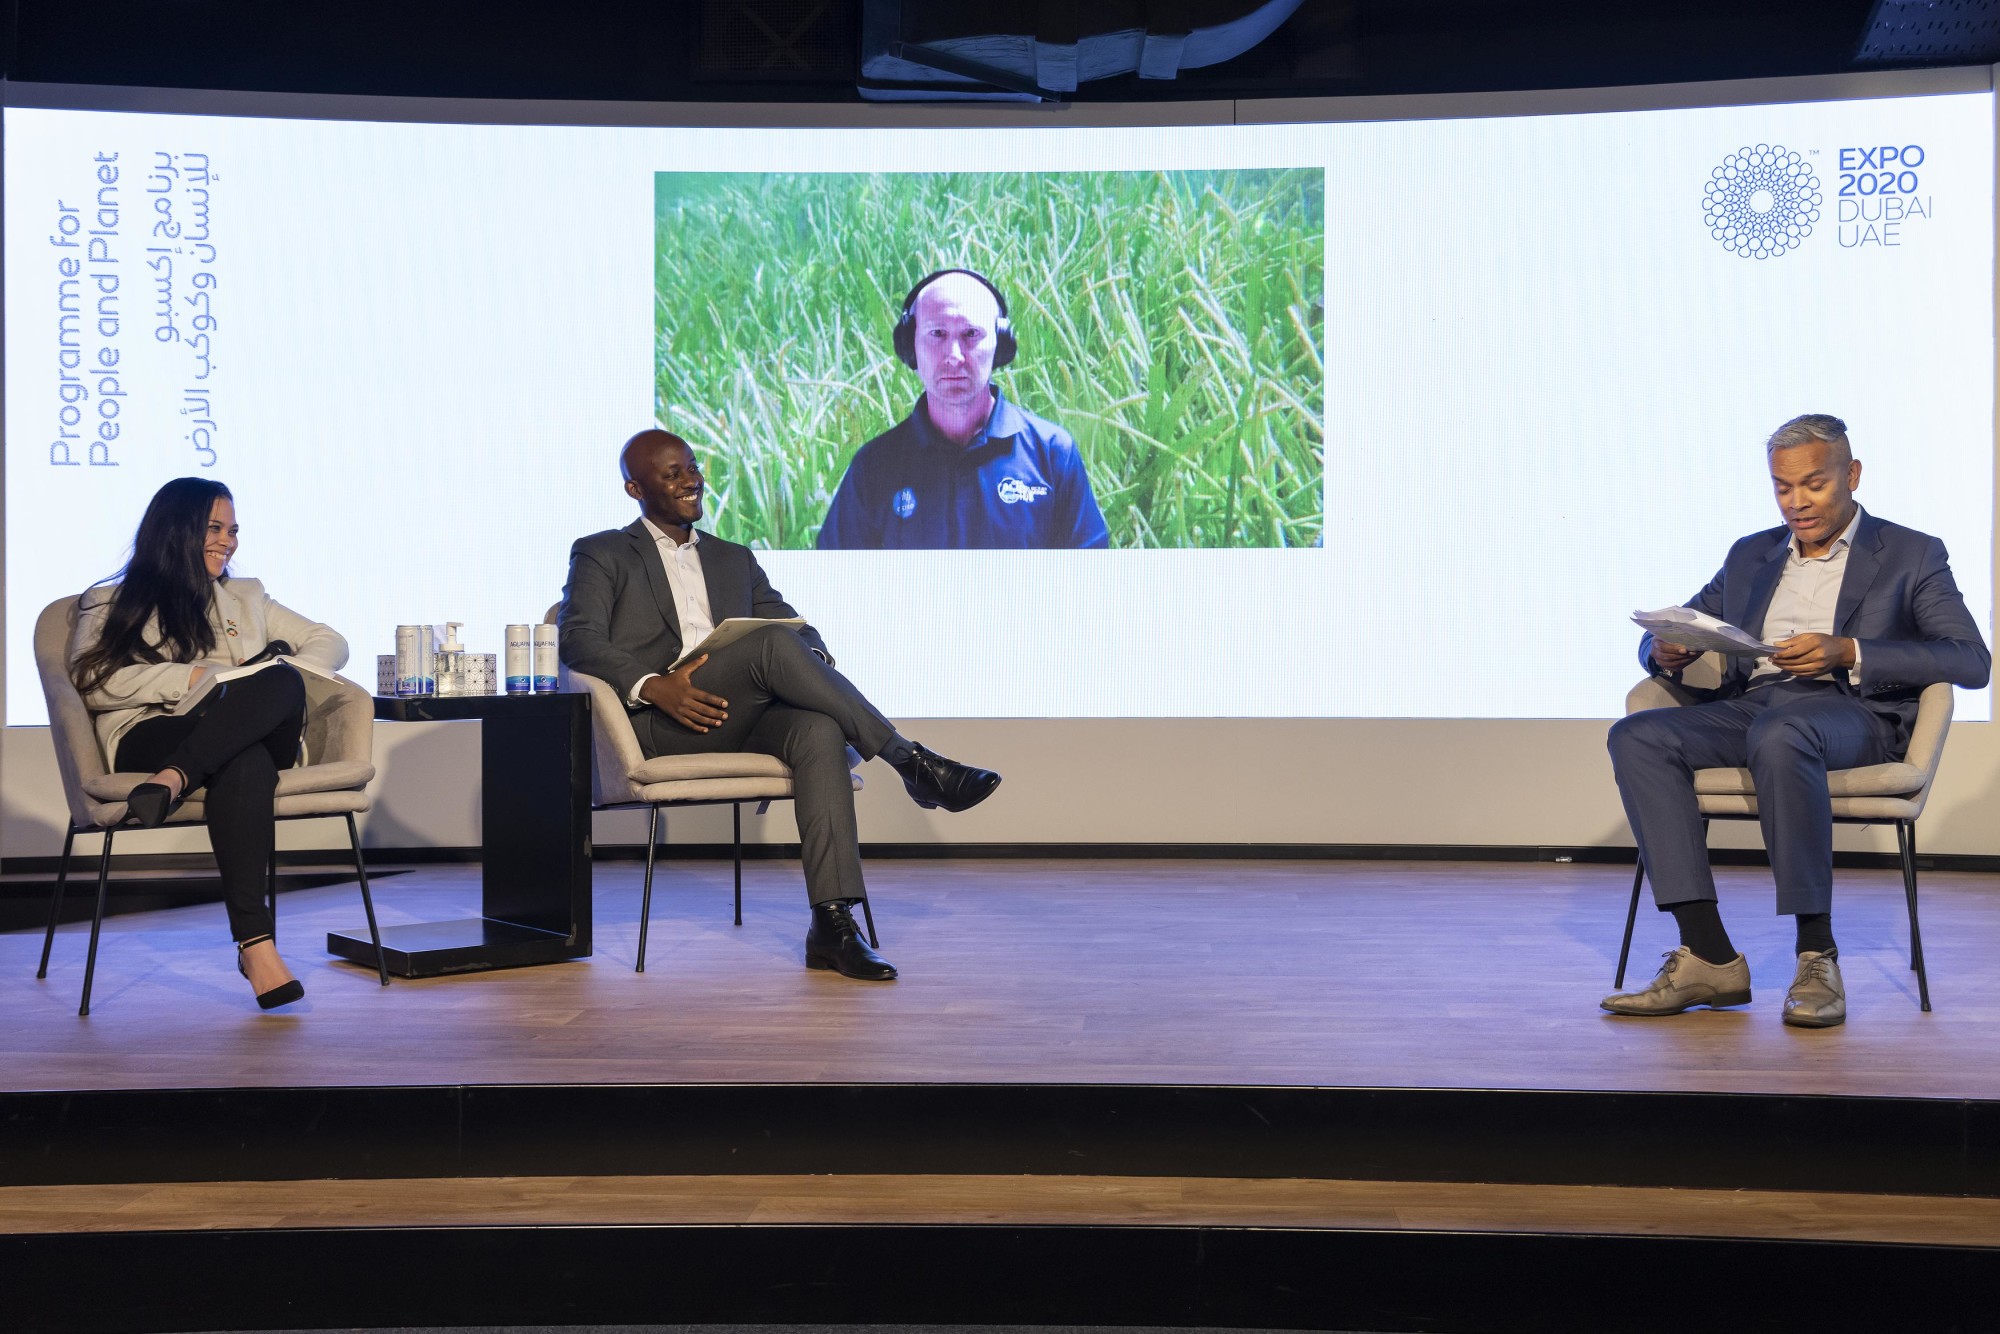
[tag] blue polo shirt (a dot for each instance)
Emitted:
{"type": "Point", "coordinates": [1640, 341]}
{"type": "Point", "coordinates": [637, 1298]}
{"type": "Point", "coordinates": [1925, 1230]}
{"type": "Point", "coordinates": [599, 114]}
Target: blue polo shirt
{"type": "Point", "coordinates": [1018, 483]}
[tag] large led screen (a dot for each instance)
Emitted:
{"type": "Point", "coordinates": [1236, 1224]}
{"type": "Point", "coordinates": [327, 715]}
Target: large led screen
{"type": "Point", "coordinates": [1395, 419]}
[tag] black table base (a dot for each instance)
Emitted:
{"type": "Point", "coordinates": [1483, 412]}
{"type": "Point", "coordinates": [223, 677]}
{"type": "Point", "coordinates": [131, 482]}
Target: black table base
{"type": "Point", "coordinates": [534, 768]}
{"type": "Point", "coordinates": [467, 945]}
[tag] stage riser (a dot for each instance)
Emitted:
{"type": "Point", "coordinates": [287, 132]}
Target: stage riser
{"type": "Point", "coordinates": [1728, 1141]}
{"type": "Point", "coordinates": [1468, 1283]}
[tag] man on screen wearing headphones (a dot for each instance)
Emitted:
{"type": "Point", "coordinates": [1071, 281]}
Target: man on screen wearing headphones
{"type": "Point", "coordinates": [967, 467]}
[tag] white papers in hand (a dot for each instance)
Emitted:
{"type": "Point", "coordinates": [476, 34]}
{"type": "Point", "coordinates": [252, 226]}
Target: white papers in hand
{"type": "Point", "coordinates": [733, 629]}
{"type": "Point", "coordinates": [1692, 629]}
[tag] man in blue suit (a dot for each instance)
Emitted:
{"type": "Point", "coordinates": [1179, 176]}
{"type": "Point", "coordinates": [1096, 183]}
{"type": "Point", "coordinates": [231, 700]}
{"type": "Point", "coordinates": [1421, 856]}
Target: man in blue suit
{"type": "Point", "coordinates": [1864, 614]}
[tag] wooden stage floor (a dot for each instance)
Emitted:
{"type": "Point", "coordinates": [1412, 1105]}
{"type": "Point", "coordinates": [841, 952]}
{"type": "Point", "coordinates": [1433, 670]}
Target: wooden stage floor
{"type": "Point", "coordinates": [1357, 974]}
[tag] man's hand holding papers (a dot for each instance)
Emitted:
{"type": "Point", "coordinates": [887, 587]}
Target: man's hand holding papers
{"type": "Point", "coordinates": [1807, 656]}
{"type": "Point", "coordinates": [1682, 634]}
{"type": "Point", "coordinates": [1672, 658]}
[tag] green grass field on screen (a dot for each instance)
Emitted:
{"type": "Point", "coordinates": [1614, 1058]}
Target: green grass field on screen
{"type": "Point", "coordinates": [1171, 321]}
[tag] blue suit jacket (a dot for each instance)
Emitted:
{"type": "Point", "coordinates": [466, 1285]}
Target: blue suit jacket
{"type": "Point", "coordinates": [1897, 600]}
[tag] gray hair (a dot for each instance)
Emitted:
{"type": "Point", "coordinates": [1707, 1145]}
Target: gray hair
{"type": "Point", "coordinates": [1812, 427]}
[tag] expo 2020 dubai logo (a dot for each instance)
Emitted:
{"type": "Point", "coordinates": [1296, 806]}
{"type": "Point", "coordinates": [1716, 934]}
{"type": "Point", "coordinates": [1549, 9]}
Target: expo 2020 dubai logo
{"type": "Point", "coordinates": [1762, 201]}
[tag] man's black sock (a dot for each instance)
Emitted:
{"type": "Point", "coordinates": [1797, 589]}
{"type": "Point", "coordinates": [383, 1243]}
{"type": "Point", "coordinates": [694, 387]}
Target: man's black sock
{"type": "Point", "coordinates": [1701, 930]}
{"type": "Point", "coordinates": [899, 751]}
{"type": "Point", "coordinates": [1816, 933]}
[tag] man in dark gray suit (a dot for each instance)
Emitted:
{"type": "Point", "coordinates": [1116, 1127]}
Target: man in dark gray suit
{"type": "Point", "coordinates": [639, 596]}
{"type": "Point", "coordinates": [1863, 614]}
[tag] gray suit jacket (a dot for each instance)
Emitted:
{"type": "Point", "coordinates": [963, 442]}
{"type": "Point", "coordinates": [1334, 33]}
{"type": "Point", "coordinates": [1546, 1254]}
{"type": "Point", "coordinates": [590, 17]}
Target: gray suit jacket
{"type": "Point", "coordinates": [618, 621]}
{"type": "Point", "coordinates": [1897, 600]}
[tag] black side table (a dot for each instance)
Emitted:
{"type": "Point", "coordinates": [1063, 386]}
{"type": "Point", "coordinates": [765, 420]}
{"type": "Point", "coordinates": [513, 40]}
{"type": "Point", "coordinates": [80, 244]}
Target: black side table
{"type": "Point", "coordinates": [534, 768]}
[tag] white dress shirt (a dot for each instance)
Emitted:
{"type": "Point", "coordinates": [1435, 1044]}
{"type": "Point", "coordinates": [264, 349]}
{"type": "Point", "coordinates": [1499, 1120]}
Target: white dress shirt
{"type": "Point", "coordinates": [1807, 595]}
{"type": "Point", "coordinates": [690, 588]}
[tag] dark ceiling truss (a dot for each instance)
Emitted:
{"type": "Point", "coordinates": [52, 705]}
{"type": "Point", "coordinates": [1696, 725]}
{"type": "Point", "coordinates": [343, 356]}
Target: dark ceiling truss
{"type": "Point", "coordinates": [821, 50]}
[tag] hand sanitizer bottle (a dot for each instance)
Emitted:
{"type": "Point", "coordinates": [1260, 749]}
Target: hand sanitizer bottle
{"type": "Point", "coordinates": [452, 677]}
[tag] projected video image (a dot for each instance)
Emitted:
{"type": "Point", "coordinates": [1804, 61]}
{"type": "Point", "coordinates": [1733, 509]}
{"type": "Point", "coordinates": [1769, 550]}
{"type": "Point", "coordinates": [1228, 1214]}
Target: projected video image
{"type": "Point", "coordinates": [1155, 337]}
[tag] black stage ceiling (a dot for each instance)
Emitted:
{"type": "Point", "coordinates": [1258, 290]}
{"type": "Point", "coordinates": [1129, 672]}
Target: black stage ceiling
{"type": "Point", "coordinates": [811, 50]}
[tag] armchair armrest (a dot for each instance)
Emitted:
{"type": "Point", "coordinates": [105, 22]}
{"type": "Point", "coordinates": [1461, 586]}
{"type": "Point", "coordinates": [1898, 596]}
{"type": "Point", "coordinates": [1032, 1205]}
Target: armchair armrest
{"type": "Point", "coordinates": [1656, 692]}
{"type": "Point", "coordinates": [1927, 733]}
{"type": "Point", "coordinates": [614, 750]}
{"type": "Point", "coordinates": [340, 722]}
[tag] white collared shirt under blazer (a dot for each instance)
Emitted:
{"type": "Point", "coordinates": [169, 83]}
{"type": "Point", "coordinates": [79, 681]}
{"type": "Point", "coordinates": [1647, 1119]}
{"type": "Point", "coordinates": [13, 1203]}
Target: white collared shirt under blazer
{"type": "Point", "coordinates": [245, 619]}
{"type": "Point", "coordinates": [1807, 595]}
{"type": "Point", "coordinates": [682, 561]}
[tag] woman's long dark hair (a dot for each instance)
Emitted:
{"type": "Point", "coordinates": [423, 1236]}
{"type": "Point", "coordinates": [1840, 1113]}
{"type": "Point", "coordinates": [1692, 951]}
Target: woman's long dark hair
{"type": "Point", "coordinates": [168, 577]}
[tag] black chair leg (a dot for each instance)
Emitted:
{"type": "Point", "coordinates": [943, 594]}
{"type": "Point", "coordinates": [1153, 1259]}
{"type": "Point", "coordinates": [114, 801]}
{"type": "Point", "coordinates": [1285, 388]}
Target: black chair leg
{"type": "Point", "coordinates": [868, 916]}
{"type": "Point", "coordinates": [1631, 920]}
{"type": "Point", "coordinates": [736, 821]}
{"type": "Point", "coordinates": [367, 901]}
{"type": "Point", "coordinates": [646, 898]}
{"type": "Point", "coordinates": [96, 922]}
{"type": "Point", "coordinates": [55, 903]}
{"type": "Point", "coordinates": [1632, 912]}
{"type": "Point", "coordinates": [1906, 843]}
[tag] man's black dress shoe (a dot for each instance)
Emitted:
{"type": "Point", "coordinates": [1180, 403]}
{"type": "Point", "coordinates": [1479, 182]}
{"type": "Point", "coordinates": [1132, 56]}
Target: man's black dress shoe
{"type": "Point", "coordinates": [833, 941]}
{"type": "Point", "coordinates": [934, 781]}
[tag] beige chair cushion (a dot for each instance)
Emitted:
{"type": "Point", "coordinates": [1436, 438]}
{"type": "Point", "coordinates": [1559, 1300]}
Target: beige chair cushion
{"type": "Point", "coordinates": [303, 805]}
{"type": "Point", "coordinates": [1875, 780]}
{"type": "Point", "coordinates": [333, 776]}
{"type": "Point", "coordinates": [346, 801]}
{"type": "Point", "coordinates": [728, 776]}
{"type": "Point", "coordinates": [725, 764]}
{"type": "Point", "coordinates": [1849, 810]}
{"type": "Point", "coordinates": [717, 789]}
{"type": "Point", "coordinates": [724, 789]}
{"type": "Point", "coordinates": [1895, 791]}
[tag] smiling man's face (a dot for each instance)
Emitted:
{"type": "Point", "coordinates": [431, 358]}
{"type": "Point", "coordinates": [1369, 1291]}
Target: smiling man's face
{"type": "Point", "coordinates": [662, 475]}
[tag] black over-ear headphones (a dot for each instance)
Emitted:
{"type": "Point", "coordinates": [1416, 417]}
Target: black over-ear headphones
{"type": "Point", "coordinates": [905, 338]}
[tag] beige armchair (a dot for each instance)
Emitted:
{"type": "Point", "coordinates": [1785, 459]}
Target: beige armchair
{"type": "Point", "coordinates": [1875, 794]}
{"type": "Point", "coordinates": [340, 720]}
{"type": "Point", "coordinates": [623, 778]}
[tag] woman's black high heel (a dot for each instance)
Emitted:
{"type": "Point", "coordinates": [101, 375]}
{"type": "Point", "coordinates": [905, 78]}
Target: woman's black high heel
{"type": "Point", "coordinates": [150, 804]}
{"type": "Point", "coordinates": [283, 994]}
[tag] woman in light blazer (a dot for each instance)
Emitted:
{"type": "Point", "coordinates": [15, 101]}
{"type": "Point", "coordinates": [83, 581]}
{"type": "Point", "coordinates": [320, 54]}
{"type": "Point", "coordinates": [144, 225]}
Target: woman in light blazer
{"type": "Point", "coordinates": [144, 642]}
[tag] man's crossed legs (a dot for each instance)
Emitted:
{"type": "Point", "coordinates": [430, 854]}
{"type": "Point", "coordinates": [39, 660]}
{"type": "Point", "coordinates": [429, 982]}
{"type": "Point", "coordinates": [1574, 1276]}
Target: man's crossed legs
{"type": "Point", "coordinates": [786, 701]}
